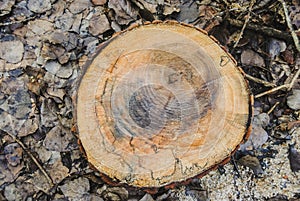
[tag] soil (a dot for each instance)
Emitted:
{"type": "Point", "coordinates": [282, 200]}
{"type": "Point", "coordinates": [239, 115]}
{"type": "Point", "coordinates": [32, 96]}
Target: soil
{"type": "Point", "coordinates": [44, 45]}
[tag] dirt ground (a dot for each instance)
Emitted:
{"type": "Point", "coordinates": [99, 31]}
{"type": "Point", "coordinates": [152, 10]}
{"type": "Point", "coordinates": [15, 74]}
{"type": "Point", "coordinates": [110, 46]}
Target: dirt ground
{"type": "Point", "coordinates": [44, 45]}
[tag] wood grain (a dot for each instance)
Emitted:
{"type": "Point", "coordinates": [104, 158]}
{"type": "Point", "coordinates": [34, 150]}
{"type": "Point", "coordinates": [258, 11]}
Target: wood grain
{"type": "Point", "coordinates": [161, 103]}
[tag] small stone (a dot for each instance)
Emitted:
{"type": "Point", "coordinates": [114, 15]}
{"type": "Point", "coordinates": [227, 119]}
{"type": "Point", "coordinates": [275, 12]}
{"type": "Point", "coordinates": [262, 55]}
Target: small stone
{"type": "Point", "coordinates": [5, 6]}
{"type": "Point", "coordinates": [252, 162]}
{"type": "Point", "coordinates": [78, 6]}
{"type": "Point", "coordinates": [98, 24]}
{"type": "Point", "coordinates": [99, 2]}
{"type": "Point", "coordinates": [76, 188]}
{"type": "Point", "coordinates": [11, 51]}
{"type": "Point", "coordinates": [293, 101]}
{"type": "Point", "coordinates": [39, 6]}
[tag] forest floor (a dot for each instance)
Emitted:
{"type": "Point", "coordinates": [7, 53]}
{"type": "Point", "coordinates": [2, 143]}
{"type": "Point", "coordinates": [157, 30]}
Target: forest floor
{"type": "Point", "coordinates": [44, 45]}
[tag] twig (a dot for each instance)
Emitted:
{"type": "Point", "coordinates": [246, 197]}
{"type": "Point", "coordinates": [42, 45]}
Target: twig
{"type": "Point", "coordinates": [33, 158]}
{"type": "Point", "coordinates": [294, 78]}
{"type": "Point", "coordinates": [285, 86]}
{"type": "Point", "coordinates": [269, 31]}
{"type": "Point", "coordinates": [235, 166]}
{"type": "Point", "coordinates": [272, 108]}
{"type": "Point", "coordinates": [289, 24]}
{"type": "Point", "coordinates": [265, 83]}
{"type": "Point", "coordinates": [245, 23]}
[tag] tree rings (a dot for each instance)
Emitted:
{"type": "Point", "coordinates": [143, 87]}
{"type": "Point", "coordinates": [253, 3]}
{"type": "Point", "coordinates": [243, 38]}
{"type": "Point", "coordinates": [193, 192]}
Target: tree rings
{"type": "Point", "coordinates": [161, 103]}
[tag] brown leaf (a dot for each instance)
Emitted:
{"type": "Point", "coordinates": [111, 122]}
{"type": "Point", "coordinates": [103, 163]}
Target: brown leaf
{"type": "Point", "coordinates": [59, 139]}
{"type": "Point", "coordinates": [251, 58]}
{"type": "Point", "coordinates": [13, 154]}
{"type": "Point", "coordinates": [124, 11]}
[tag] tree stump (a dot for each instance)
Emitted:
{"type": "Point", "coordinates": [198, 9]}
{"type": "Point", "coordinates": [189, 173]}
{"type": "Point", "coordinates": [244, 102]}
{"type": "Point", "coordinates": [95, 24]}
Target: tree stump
{"type": "Point", "coordinates": [161, 103]}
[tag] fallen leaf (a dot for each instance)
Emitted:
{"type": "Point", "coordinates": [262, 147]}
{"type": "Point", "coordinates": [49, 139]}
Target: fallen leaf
{"type": "Point", "coordinates": [147, 197]}
{"type": "Point", "coordinates": [76, 188]}
{"type": "Point", "coordinates": [5, 6]}
{"type": "Point", "coordinates": [78, 6]}
{"type": "Point", "coordinates": [294, 157]}
{"type": "Point", "coordinates": [275, 47]}
{"type": "Point", "coordinates": [58, 172]}
{"type": "Point", "coordinates": [39, 6]}
{"type": "Point", "coordinates": [98, 24]}
{"type": "Point", "coordinates": [59, 139]}
{"type": "Point", "coordinates": [124, 11]}
{"type": "Point", "coordinates": [189, 12]}
{"type": "Point", "coordinates": [251, 58]}
{"type": "Point", "coordinates": [11, 51]}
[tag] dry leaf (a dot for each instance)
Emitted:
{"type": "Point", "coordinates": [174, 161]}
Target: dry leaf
{"type": "Point", "coordinates": [251, 58]}
{"type": "Point", "coordinates": [294, 157]}
{"type": "Point", "coordinates": [125, 12]}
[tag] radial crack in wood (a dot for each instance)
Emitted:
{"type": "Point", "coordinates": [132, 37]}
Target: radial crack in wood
{"type": "Point", "coordinates": [161, 103]}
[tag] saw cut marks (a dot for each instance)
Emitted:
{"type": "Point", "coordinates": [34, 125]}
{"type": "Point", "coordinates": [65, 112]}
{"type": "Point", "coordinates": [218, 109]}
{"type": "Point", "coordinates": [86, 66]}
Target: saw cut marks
{"type": "Point", "coordinates": [161, 103]}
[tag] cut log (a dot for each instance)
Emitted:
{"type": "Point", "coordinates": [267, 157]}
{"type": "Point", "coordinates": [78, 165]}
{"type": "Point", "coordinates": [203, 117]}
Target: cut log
{"type": "Point", "coordinates": [161, 103]}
